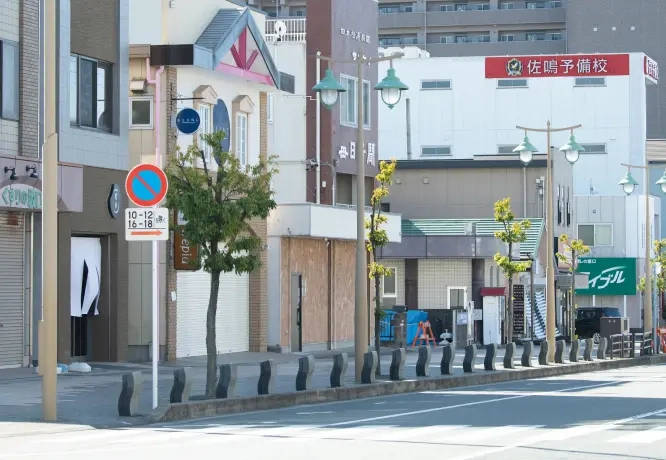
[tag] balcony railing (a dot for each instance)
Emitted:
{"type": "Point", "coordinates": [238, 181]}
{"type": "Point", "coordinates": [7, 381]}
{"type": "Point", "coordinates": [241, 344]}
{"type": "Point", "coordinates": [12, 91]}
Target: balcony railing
{"type": "Point", "coordinates": [286, 30]}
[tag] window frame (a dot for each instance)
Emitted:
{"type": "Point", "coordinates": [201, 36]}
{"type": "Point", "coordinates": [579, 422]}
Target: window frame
{"type": "Point", "coordinates": [240, 140]}
{"type": "Point", "coordinates": [430, 155]}
{"type": "Point", "coordinates": [269, 108]}
{"type": "Point", "coordinates": [578, 82]}
{"type": "Point", "coordinates": [594, 225]}
{"type": "Point", "coordinates": [499, 86]}
{"type": "Point", "coordinates": [345, 99]}
{"type": "Point", "coordinates": [110, 69]}
{"type": "Point", "coordinates": [589, 151]}
{"type": "Point", "coordinates": [17, 76]}
{"type": "Point", "coordinates": [152, 114]}
{"type": "Point", "coordinates": [450, 83]}
{"type": "Point", "coordinates": [206, 127]}
{"type": "Point", "coordinates": [448, 296]}
{"type": "Point", "coordinates": [393, 295]}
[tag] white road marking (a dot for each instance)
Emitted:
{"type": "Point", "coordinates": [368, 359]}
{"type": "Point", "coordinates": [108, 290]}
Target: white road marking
{"type": "Point", "coordinates": [401, 434]}
{"type": "Point", "coordinates": [481, 434]}
{"type": "Point", "coordinates": [642, 437]}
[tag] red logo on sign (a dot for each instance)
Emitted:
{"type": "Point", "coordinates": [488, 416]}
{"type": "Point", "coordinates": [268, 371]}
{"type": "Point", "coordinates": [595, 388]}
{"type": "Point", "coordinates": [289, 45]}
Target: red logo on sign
{"type": "Point", "coordinates": [651, 68]}
{"type": "Point", "coordinates": [576, 65]}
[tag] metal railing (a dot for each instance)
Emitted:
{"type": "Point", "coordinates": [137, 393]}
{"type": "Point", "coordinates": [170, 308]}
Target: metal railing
{"type": "Point", "coordinates": [644, 340]}
{"type": "Point", "coordinates": [294, 30]}
{"type": "Point", "coordinates": [621, 346]}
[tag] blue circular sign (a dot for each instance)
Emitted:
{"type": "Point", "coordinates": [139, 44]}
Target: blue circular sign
{"type": "Point", "coordinates": [188, 121]}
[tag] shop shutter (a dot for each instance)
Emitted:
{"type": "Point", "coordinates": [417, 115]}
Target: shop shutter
{"type": "Point", "coordinates": [11, 292]}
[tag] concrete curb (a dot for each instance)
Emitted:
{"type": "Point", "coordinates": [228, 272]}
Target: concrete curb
{"type": "Point", "coordinates": [214, 407]}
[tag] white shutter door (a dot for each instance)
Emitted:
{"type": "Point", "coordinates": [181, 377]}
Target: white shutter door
{"type": "Point", "coordinates": [11, 293]}
{"type": "Point", "coordinates": [233, 313]}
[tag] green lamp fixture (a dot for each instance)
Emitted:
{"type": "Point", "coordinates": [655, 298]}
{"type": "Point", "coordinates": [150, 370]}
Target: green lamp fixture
{"type": "Point", "coordinates": [525, 150]}
{"type": "Point", "coordinates": [391, 88]}
{"type": "Point", "coordinates": [328, 89]}
{"type": "Point", "coordinates": [572, 150]}
{"type": "Point", "coordinates": [628, 183]}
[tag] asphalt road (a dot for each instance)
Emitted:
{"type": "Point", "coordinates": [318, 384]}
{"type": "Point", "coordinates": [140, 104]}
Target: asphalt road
{"type": "Point", "coordinates": [603, 415]}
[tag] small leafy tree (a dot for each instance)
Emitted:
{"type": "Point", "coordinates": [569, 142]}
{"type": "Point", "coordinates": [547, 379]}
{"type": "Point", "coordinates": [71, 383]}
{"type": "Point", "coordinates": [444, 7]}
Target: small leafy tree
{"type": "Point", "coordinates": [378, 238]}
{"type": "Point", "coordinates": [513, 232]}
{"type": "Point", "coordinates": [659, 247]}
{"type": "Point", "coordinates": [218, 206]}
{"type": "Point", "coordinates": [576, 248]}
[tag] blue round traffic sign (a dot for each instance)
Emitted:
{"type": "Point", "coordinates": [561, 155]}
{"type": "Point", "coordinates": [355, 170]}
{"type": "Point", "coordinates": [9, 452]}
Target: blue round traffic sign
{"type": "Point", "coordinates": [188, 121]}
{"type": "Point", "coordinates": [146, 185]}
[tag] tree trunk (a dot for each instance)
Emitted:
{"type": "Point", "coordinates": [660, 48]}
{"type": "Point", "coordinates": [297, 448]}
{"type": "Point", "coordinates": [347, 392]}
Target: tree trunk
{"type": "Point", "coordinates": [377, 325]}
{"type": "Point", "coordinates": [211, 342]}
{"type": "Point", "coordinates": [509, 322]}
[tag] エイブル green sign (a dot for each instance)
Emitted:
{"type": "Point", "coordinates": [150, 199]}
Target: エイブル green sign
{"type": "Point", "coordinates": [608, 275]}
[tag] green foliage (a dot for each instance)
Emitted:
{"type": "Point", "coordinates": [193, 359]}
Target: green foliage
{"type": "Point", "coordinates": [218, 205]}
{"type": "Point", "coordinates": [513, 232]}
{"type": "Point", "coordinates": [659, 247]}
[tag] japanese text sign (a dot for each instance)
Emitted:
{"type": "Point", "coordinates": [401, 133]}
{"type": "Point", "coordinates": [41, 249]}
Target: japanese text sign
{"type": "Point", "coordinates": [572, 65]}
{"type": "Point", "coordinates": [608, 276]}
{"type": "Point", "coordinates": [651, 68]}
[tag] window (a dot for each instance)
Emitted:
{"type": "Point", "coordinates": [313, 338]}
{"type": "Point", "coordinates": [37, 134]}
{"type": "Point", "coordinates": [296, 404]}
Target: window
{"type": "Point", "coordinates": [447, 39]}
{"type": "Point", "coordinates": [534, 5]}
{"type": "Point", "coordinates": [461, 38]}
{"type": "Point", "coordinates": [409, 9]}
{"type": "Point", "coordinates": [456, 297]}
{"type": "Point", "coordinates": [269, 108]}
{"type": "Point", "coordinates": [480, 7]}
{"type": "Point", "coordinates": [535, 36]}
{"type": "Point", "coordinates": [142, 112]}
{"type": "Point", "coordinates": [206, 127]}
{"type": "Point", "coordinates": [596, 234]}
{"type": "Point", "coordinates": [480, 38]}
{"type": "Point", "coordinates": [90, 93]}
{"type": "Point", "coordinates": [389, 9]}
{"type": "Point", "coordinates": [435, 84]}
{"type": "Point", "coordinates": [512, 83]}
{"type": "Point", "coordinates": [447, 7]}
{"type": "Point", "coordinates": [300, 12]}
{"type": "Point", "coordinates": [506, 6]}
{"type": "Point", "coordinates": [598, 149]}
{"type": "Point", "coordinates": [389, 283]}
{"type": "Point", "coordinates": [9, 80]}
{"type": "Point", "coordinates": [385, 207]}
{"type": "Point", "coordinates": [506, 149]}
{"type": "Point", "coordinates": [554, 4]}
{"type": "Point", "coordinates": [507, 38]}
{"type": "Point", "coordinates": [241, 138]}
{"type": "Point", "coordinates": [366, 103]}
{"type": "Point", "coordinates": [590, 81]}
{"type": "Point", "coordinates": [441, 150]}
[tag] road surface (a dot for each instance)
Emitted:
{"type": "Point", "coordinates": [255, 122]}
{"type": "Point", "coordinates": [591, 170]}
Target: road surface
{"type": "Point", "coordinates": [604, 415]}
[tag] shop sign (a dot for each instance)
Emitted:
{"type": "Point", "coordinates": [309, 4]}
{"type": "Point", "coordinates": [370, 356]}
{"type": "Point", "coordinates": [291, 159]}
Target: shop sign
{"type": "Point", "coordinates": [608, 275]}
{"type": "Point", "coordinates": [185, 254]}
{"type": "Point", "coordinates": [369, 152]}
{"type": "Point", "coordinates": [113, 202]}
{"type": "Point", "coordinates": [21, 196]}
{"type": "Point", "coordinates": [578, 65]}
{"type": "Point", "coordinates": [365, 38]}
{"type": "Point", "coordinates": [651, 69]}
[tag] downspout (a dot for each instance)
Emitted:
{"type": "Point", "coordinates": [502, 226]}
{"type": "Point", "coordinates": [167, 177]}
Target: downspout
{"type": "Point", "coordinates": [525, 192]}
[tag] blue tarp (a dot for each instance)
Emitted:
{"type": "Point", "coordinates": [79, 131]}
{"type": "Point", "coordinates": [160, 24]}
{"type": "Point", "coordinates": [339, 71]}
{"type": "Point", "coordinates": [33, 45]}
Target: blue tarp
{"type": "Point", "coordinates": [413, 319]}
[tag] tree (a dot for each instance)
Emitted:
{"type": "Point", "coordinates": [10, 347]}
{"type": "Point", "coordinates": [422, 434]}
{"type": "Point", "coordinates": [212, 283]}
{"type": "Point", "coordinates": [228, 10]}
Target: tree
{"type": "Point", "coordinates": [513, 232]}
{"type": "Point", "coordinates": [576, 248]}
{"type": "Point", "coordinates": [378, 238]}
{"type": "Point", "coordinates": [659, 247]}
{"type": "Point", "coordinates": [218, 206]}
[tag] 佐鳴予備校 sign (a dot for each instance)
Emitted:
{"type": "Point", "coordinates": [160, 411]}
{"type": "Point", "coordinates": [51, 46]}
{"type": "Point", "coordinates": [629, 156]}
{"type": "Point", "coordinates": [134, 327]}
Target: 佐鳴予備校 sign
{"type": "Point", "coordinates": [572, 65]}
{"type": "Point", "coordinates": [608, 275]}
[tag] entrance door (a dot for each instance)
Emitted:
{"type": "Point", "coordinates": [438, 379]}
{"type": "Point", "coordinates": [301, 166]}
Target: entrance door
{"type": "Point", "coordinates": [85, 285]}
{"type": "Point", "coordinates": [296, 312]}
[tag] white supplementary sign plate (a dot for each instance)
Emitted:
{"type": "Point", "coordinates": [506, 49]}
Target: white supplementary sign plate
{"type": "Point", "coordinates": [147, 224]}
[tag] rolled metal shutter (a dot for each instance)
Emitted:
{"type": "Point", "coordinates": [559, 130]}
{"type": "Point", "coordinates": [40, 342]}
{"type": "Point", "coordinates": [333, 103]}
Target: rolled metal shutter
{"type": "Point", "coordinates": [11, 294]}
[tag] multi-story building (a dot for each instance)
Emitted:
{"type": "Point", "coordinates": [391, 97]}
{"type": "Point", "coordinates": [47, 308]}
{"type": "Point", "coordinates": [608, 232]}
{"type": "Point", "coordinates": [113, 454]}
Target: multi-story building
{"type": "Point", "coordinates": [460, 109]}
{"type": "Point", "coordinates": [92, 127]}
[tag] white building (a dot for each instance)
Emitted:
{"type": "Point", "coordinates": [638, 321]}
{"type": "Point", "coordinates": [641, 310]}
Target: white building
{"type": "Point", "coordinates": [460, 108]}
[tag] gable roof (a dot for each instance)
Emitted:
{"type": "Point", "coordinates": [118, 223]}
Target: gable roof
{"type": "Point", "coordinates": [222, 33]}
{"type": "Point", "coordinates": [458, 227]}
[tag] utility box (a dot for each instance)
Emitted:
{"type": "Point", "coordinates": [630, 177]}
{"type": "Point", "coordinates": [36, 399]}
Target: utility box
{"type": "Point", "coordinates": [611, 326]}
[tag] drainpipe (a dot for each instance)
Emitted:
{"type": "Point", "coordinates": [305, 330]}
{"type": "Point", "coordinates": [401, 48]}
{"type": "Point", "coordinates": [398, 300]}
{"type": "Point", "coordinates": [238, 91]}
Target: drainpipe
{"type": "Point", "coordinates": [158, 162]}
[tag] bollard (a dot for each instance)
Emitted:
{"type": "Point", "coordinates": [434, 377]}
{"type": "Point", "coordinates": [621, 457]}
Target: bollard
{"type": "Point", "coordinates": [601, 349]}
{"type": "Point", "coordinates": [489, 360]}
{"type": "Point", "coordinates": [526, 358]}
{"type": "Point", "coordinates": [509, 352]}
{"type": "Point", "coordinates": [470, 358]}
{"type": "Point", "coordinates": [226, 385]}
{"type": "Point", "coordinates": [369, 367]}
{"type": "Point", "coordinates": [543, 353]}
{"type": "Point", "coordinates": [397, 369]}
{"type": "Point", "coordinates": [182, 383]}
{"type": "Point", "coordinates": [128, 402]}
{"type": "Point", "coordinates": [423, 362]}
{"type": "Point", "coordinates": [267, 372]}
{"type": "Point", "coordinates": [448, 356]}
{"type": "Point", "coordinates": [306, 365]}
{"type": "Point", "coordinates": [587, 353]}
{"type": "Point", "coordinates": [560, 345]}
{"type": "Point", "coordinates": [573, 353]}
{"type": "Point", "coordinates": [339, 371]}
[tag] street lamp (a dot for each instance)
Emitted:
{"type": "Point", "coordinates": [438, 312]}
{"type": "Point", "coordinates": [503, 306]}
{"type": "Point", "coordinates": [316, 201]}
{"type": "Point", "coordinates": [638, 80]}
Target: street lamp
{"type": "Point", "coordinates": [526, 151]}
{"type": "Point", "coordinates": [328, 89]}
{"type": "Point", "coordinates": [628, 184]}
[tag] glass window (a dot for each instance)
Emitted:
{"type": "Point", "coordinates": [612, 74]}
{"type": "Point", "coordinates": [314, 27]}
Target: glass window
{"type": "Point", "coordinates": [241, 138]}
{"type": "Point", "coordinates": [91, 93]}
{"type": "Point", "coordinates": [142, 112]}
{"type": "Point", "coordinates": [348, 101]}
{"type": "Point", "coordinates": [586, 233]}
{"type": "Point", "coordinates": [205, 128]}
{"type": "Point", "coordinates": [456, 298]}
{"type": "Point", "coordinates": [9, 87]}
{"type": "Point", "coordinates": [512, 83]}
{"type": "Point", "coordinates": [366, 103]}
{"type": "Point", "coordinates": [590, 81]}
{"type": "Point", "coordinates": [389, 284]}
{"type": "Point", "coordinates": [436, 84]}
{"type": "Point", "coordinates": [603, 235]}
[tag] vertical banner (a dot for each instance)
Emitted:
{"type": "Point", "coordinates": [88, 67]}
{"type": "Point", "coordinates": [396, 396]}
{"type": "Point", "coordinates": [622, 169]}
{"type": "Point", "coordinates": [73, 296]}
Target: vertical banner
{"type": "Point", "coordinates": [518, 309]}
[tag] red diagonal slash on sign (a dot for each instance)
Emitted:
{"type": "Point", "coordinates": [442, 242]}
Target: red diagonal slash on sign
{"type": "Point", "coordinates": [145, 184]}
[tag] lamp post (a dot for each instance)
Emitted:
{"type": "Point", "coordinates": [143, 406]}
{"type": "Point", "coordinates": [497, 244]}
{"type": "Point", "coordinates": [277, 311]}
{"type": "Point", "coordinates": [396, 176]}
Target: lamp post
{"type": "Point", "coordinates": [328, 90]}
{"type": "Point", "coordinates": [628, 184]}
{"type": "Point", "coordinates": [571, 152]}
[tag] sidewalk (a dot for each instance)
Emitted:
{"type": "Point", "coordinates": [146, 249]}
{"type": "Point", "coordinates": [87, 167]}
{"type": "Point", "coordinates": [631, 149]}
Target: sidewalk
{"type": "Point", "coordinates": [91, 399]}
